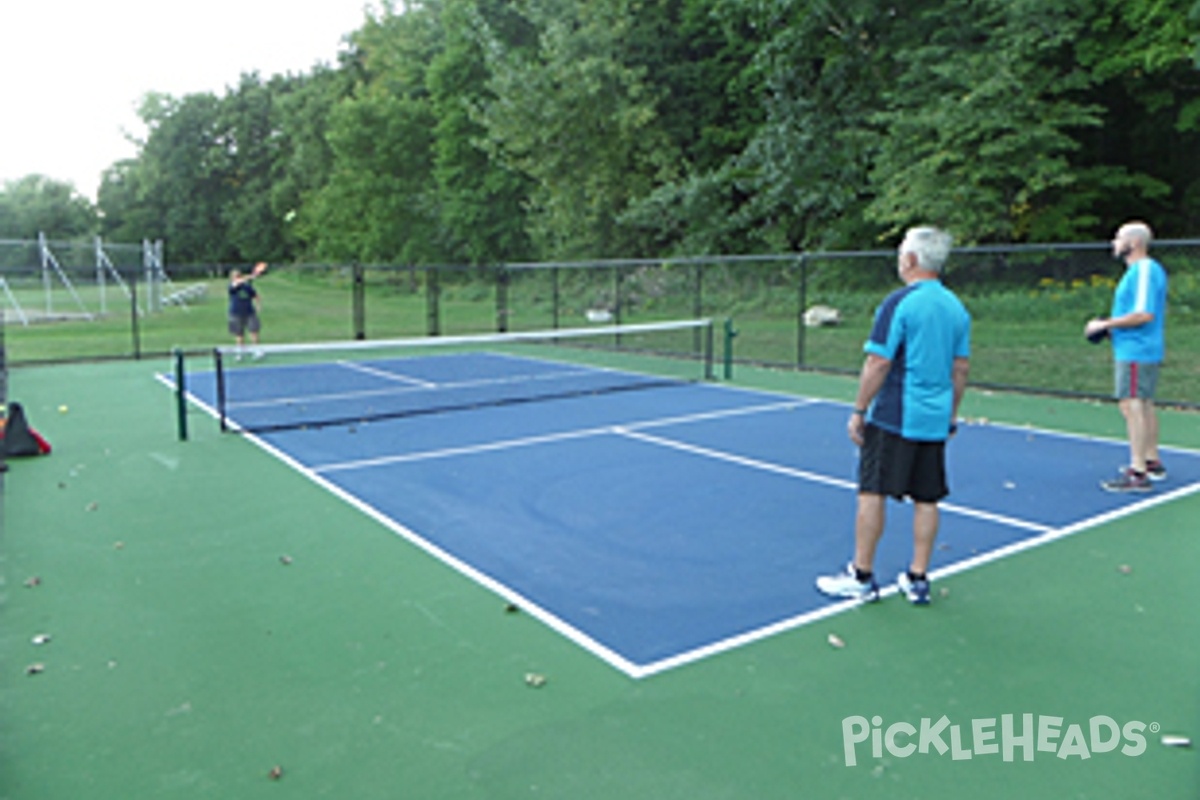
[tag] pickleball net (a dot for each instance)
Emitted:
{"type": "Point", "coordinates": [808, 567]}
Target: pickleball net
{"type": "Point", "coordinates": [294, 386]}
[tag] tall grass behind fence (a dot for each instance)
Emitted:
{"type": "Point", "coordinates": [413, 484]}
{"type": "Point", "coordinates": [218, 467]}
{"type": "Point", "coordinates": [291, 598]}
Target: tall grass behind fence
{"type": "Point", "coordinates": [1029, 305]}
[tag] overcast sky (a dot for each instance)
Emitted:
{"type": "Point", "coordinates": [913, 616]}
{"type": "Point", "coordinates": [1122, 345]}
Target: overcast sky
{"type": "Point", "coordinates": [72, 72]}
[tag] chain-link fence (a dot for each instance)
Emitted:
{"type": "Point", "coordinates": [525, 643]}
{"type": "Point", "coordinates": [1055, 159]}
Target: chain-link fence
{"type": "Point", "coordinates": [806, 311]}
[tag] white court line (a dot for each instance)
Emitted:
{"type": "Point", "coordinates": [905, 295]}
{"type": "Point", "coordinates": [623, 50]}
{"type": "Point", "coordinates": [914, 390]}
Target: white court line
{"type": "Point", "coordinates": [399, 377]}
{"type": "Point", "coordinates": [526, 605]}
{"type": "Point", "coordinates": [483, 579]}
{"type": "Point", "coordinates": [792, 472]}
{"type": "Point", "coordinates": [1082, 437]}
{"type": "Point", "coordinates": [758, 634]}
{"type": "Point", "coordinates": [401, 391]}
{"type": "Point", "coordinates": [639, 671]}
{"type": "Point", "coordinates": [526, 441]}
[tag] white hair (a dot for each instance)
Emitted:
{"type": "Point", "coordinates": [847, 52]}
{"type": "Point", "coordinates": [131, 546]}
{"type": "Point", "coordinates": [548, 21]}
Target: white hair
{"type": "Point", "coordinates": [930, 245]}
{"type": "Point", "coordinates": [1138, 231]}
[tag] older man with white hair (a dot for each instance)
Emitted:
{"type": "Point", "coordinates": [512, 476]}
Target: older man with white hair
{"type": "Point", "coordinates": [912, 382]}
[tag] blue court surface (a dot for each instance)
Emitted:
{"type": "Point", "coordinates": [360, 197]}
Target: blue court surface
{"type": "Point", "coordinates": [660, 526]}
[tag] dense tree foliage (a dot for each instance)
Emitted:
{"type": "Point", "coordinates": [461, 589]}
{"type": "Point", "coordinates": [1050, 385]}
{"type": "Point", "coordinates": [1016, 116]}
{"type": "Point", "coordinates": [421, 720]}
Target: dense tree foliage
{"type": "Point", "coordinates": [492, 131]}
{"type": "Point", "coordinates": [37, 204]}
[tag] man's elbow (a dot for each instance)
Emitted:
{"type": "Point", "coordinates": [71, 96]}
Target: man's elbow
{"type": "Point", "coordinates": [877, 363]}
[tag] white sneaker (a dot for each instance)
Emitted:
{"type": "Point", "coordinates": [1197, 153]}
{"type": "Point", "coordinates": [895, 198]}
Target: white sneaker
{"type": "Point", "coordinates": [917, 592]}
{"type": "Point", "coordinates": [845, 584]}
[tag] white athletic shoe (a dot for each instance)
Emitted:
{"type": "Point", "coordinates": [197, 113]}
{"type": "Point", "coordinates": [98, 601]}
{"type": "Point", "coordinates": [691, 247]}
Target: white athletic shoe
{"type": "Point", "coordinates": [917, 592]}
{"type": "Point", "coordinates": [845, 584]}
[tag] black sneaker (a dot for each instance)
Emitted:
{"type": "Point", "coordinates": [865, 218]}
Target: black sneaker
{"type": "Point", "coordinates": [1155, 471]}
{"type": "Point", "coordinates": [1128, 481]}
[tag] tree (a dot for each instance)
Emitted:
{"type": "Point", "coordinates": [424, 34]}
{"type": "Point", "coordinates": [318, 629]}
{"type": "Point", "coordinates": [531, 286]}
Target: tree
{"type": "Point", "coordinates": [574, 115]}
{"type": "Point", "coordinates": [1144, 59]}
{"type": "Point", "coordinates": [806, 171]}
{"type": "Point", "coordinates": [251, 144]}
{"type": "Point", "coordinates": [38, 204]}
{"type": "Point", "coordinates": [378, 204]}
{"type": "Point", "coordinates": [305, 160]}
{"type": "Point", "coordinates": [126, 216]}
{"type": "Point", "coordinates": [700, 58]}
{"type": "Point", "coordinates": [480, 201]}
{"type": "Point", "coordinates": [978, 129]}
{"type": "Point", "coordinates": [180, 179]}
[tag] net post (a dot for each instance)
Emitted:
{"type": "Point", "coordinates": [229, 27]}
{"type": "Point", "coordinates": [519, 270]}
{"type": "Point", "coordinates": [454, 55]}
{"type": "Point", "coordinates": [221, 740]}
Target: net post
{"type": "Point", "coordinates": [730, 333]}
{"type": "Point", "coordinates": [219, 372]}
{"type": "Point", "coordinates": [3, 401]}
{"type": "Point", "coordinates": [180, 394]}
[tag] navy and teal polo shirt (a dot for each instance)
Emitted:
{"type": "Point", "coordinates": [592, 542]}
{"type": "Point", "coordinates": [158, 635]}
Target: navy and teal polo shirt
{"type": "Point", "coordinates": [920, 328]}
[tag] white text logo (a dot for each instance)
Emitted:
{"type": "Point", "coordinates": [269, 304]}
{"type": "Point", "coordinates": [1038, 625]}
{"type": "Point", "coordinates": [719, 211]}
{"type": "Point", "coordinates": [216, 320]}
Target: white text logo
{"type": "Point", "coordinates": [1011, 737]}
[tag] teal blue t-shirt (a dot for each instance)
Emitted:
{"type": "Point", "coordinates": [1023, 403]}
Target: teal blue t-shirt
{"type": "Point", "coordinates": [1143, 287]}
{"type": "Point", "coordinates": [921, 328]}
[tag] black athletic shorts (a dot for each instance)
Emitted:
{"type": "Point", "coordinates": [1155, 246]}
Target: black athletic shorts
{"type": "Point", "coordinates": [897, 467]}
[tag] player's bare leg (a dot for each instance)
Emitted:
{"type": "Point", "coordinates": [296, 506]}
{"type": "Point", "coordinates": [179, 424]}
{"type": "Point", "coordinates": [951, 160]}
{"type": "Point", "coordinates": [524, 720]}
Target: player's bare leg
{"type": "Point", "coordinates": [926, 518]}
{"type": "Point", "coordinates": [868, 528]}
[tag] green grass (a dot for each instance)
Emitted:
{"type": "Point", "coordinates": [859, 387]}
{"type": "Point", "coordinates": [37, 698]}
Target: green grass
{"type": "Point", "coordinates": [1044, 355]}
{"type": "Point", "coordinates": [1025, 338]}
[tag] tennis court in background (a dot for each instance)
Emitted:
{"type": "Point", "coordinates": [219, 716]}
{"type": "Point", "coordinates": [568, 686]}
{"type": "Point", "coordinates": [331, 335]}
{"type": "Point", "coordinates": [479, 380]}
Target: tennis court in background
{"type": "Point", "coordinates": [652, 527]}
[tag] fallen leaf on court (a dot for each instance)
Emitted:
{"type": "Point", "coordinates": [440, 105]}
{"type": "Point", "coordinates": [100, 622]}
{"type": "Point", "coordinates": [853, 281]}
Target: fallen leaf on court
{"type": "Point", "coordinates": [943, 592]}
{"type": "Point", "coordinates": [35, 669]}
{"type": "Point", "coordinates": [41, 638]}
{"type": "Point", "coordinates": [276, 773]}
{"type": "Point", "coordinates": [32, 582]}
{"type": "Point", "coordinates": [511, 608]}
{"type": "Point", "coordinates": [285, 560]}
{"type": "Point", "coordinates": [1125, 569]}
{"type": "Point", "coordinates": [535, 680]}
{"type": "Point", "coordinates": [1009, 485]}
{"type": "Point", "coordinates": [92, 506]}
{"type": "Point", "coordinates": [835, 641]}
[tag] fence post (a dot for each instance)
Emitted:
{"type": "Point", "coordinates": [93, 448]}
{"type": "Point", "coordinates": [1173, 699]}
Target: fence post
{"type": "Point", "coordinates": [359, 301]}
{"type": "Point", "coordinates": [432, 302]}
{"type": "Point", "coordinates": [617, 301]}
{"type": "Point", "coordinates": [554, 294]}
{"type": "Point", "coordinates": [727, 352]}
{"type": "Point", "coordinates": [502, 278]}
{"type": "Point", "coordinates": [803, 304]}
{"type": "Point", "coordinates": [133, 315]}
